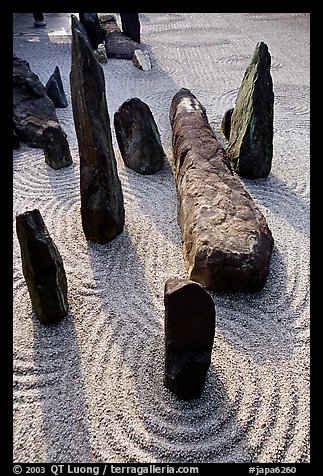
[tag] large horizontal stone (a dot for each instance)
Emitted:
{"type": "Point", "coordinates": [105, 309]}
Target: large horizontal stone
{"type": "Point", "coordinates": [42, 268]}
{"type": "Point", "coordinates": [189, 335]}
{"type": "Point", "coordinates": [102, 207]}
{"type": "Point", "coordinates": [34, 112]}
{"type": "Point", "coordinates": [226, 241]}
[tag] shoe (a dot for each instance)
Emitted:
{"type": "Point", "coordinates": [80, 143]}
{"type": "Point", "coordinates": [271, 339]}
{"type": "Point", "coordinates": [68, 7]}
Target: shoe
{"type": "Point", "coordinates": [39, 23]}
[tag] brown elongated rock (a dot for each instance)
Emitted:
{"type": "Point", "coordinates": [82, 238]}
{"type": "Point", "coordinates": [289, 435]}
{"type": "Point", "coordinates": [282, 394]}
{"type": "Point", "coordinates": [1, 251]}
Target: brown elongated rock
{"type": "Point", "coordinates": [117, 44]}
{"type": "Point", "coordinates": [227, 244]}
{"type": "Point", "coordinates": [250, 145]}
{"type": "Point", "coordinates": [102, 206]}
{"type": "Point", "coordinates": [34, 112]}
{"type": "Point", "coordinates": [189, 335]}
{"type": "Point", "coordinates": [138, 137]}
{"type": "Point", "coordinates": [42, 267]}
{"type": "Point", "coordinates": [226, 123]}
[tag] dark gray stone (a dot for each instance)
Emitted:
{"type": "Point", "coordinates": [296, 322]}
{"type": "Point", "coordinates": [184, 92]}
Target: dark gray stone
{"type": "Point", "coordinates": [131, 26]}
{"type": "Point", "coordinates": [34, 112]}
{"type": "Point", "coordinates": [117, 44]}
{"type": "Point", "coordinates": [42, 268]}
{"type": "Point", "coordinates": [55, 149]}
{"type": "Point", "coordinates": [55, 90]}
{"type": "Point", "coordinates": [189, 335]}
{"type": "Point", "coordinates": [138, 137]}
{"type": "Point", "coordinates": [251, 138]}
{"type": "Point", "coordinates": [92, 27]}
{"type": "Point", "coordinates": [102, 206]}
{"type": "Point", "coordinates": [227, 244]}
{"type": "Point", "coordinates": [226, 123]}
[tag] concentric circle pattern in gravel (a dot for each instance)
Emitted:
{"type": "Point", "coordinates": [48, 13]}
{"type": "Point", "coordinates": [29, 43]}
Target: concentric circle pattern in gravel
{"type": "Point", "coordinates": [90, 388]}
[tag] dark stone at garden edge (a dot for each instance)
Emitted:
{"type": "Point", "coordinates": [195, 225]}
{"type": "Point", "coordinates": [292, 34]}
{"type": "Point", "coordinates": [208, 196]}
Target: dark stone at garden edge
{"type": "Point", "coordinates": [189, 335]}
{"type": "Point", "coordinates": [42, 268]}
{"type": "Point", "coordinates": [102, 207]}
{"type": "Point", "coordinates": [34, 112]}
{"type": "Point", "coordinates": [56, 150]}
{"type": "Point", "coordinates": [226, 123]}
{"type": "Point", "coordinates": [138, 137]}
{"type": "Point", "coordinates": [131, 26]}
{"type": "Point", "coordinates": [55, 90]}
{"type": "Point", "coordinates": [117, 44]}
{"type": "Point", "coordinates": [91, 25]}
{"type": "Point", "coordinates": [227, 244]}
{"type": "Point", "coordinates": [250, 147]}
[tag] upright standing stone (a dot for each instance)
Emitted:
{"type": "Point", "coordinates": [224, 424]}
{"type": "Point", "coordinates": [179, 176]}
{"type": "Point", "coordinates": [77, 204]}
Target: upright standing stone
{"type": "Point", "coordinates": [250, 145]}
{"type": "Point", "coordinates": [189, 335]}
{"type": "Point", "coordinates": [55, 90]}
{"type": "Point", "coordinates": [226, 241]}
{"type": "Point", "coordinates": [226, 123]}
{"type": "Point", "coordinates": [138, 137]}
{"type": "Point", "coordinates": [91, 25]}
{"type": "Point", "coordinates": [131, 26]}
{"type": "Point", "coordinates": [34, 112]}
{"type": "Point", "coordinates": [42, 267]}
{"type": "Point", "coordinates": [102, 206]}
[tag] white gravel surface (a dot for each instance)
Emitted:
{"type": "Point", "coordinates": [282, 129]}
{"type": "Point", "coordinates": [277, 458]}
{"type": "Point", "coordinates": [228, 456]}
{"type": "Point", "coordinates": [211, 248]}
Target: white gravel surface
{"type": "Point", "coordinates": [90, 389]}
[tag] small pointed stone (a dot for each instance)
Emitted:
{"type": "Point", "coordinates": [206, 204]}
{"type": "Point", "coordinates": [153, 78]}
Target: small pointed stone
{"type": "Point", "coordinates": [250, 147]}
{"type": "Point", "coordinates": [42, 267]}
{"type": "Point", "coordinates": [226, 123]}
{"type": "Point", "coordinates": [55, 90]}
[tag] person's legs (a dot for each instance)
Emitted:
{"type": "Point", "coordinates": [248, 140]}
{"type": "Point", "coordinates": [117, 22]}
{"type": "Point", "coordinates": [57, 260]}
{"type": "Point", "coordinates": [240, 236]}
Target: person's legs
{"type": "Point", "coordinates": [39, 20]}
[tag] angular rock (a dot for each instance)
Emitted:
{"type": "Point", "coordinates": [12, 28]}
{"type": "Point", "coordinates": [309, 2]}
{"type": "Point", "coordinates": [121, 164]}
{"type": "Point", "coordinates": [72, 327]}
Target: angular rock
{"type": "Point", "coordinates": [55, 149]}
{"type": "Point", "coordinates": [131, 26]}
{"type": "Point", "coordinates": [55, 90]}
{"type": "Point", "coordinates": [102, 206]}
{"type": "Point", "coordinates": [34, 112]}
{"type": "Point", "coordinates": [42, 267]}
{"type": "Point", "coordinates": [226, 123]}
{"type": "Point", "coordinates": [226, 241]}
{"type": "Point", "coordinates": [138, 137]}
{"type": "Point", "coordinates": [117, 44]}
{"type": "Point", "coordinates": [101, 54]}
{"type": "Point", "coordinates": [91, 25]}
{"type": "Point", "coordinates": [251, 138]}
{"type": "Point", "coordinates": [141, 60]}
{"type": "Point", "coordinates": [189, 335]}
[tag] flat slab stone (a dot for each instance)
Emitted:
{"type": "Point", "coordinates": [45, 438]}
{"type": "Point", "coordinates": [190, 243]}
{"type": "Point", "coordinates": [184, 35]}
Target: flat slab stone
{"type": "Point", "coordinates": [102, 207]}
{"type": "Point", "coordinates": [42, 267]}
{"type": "Point", "coordinates": [189, 335]}
{"type": "Point", "coordinates": [117, 44]}
{"type": "Point", "coordinates": [250, 145]}
{"type": "Point", "coordinates": [138, 137]}
{"type": "Point", "coordinates": [34, 112]}
{"type": "Point", "coordinates": [227, 244]}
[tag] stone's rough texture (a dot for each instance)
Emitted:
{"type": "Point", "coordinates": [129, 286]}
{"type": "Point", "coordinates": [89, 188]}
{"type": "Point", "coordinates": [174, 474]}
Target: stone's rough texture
{"type": "Point", "coordinates": [55, 90]}
{"type": "Point", "coordinates": [141, 60]}
{"type": "Point", "coordinates": [138, 137]}
{"type": "Point", "coordinates": [251, 138]}
{"type": "Point", "coordinates": [189, 335]}
{"type": "Point", "coordinates": [42, 267]}
{"type": "Point", "coordinates": [102, 206]}
{"type": "Point", "coordinates": [101, 54]}
{"type": "Point", "coordinates": [117, 44]}
{"type": "Point", "coordinates": [56, 150]}
{"type": "Point", "coordinates": [226, 123]}
{"type": "Point", "coordinates": [34, 112]}
{"type": "Point", "coordinates": [226, 241]}
{"type": "Point", "coordinates": [131, 26]}
{"type": "Point", "coordinates": [91, 25]}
